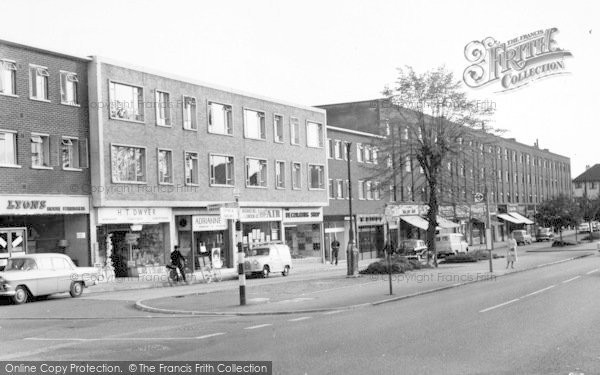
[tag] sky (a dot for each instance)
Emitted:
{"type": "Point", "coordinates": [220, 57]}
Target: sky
{"type": "Point", "coordinates": [321, 52]}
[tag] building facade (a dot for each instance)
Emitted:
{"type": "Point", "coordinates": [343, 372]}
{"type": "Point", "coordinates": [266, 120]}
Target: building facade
{"type": "Point", "coordinates": [179, 161]}
{"type": "Point", "coordinates": [44, 162]}
{"type": "Point", "coordinates": [587, 184]}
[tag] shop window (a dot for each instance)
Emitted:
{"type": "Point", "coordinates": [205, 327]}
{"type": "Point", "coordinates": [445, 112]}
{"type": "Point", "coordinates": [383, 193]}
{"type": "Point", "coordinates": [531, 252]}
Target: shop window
{"type": "Point", "coordinates": [69, 88]}
{"type": "Point", "coordinates": [294, 131]}
{"type": "Point", "coordinates": [316, 176]}
{"type": "Point", "coordinates": [278, 128]}
{"type": "Point", "coordinates": [191, 168]}
{"type": "Point", "coordinates": [8, 77]}
{"type": "Point", "coordinates": [40, 150]}
{"type": "Point", "coordinates": [296, 176]}
{"type": "Point", "coordinates": [256, 172]}
{"type": "Point", "coordinates": [314, 134]}
{"type": "Point", "coordinates": [254, 124]}
{"type": "Point", "coordinates": [165, 167]}
{"type": "Point", "coordinates": [190, 119]}
{"type": "Point", "coordinates": [38, 82]}
{"type": "Point", "coordinates": [221, 170]}
{"type": "Point", "coordinates": [126, 102]}
{"type": "Point", "coordinates": [220, 119]}
{"type": "Point", "coordinates": [163, 108]}
{"type": "Point", "coordinates": [128, 164]}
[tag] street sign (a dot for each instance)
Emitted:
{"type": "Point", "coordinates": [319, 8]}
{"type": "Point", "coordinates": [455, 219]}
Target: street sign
{"type": "Point", "coordinates": [478, 197]}
{"type": "Point", "coordinates": [229, 213]}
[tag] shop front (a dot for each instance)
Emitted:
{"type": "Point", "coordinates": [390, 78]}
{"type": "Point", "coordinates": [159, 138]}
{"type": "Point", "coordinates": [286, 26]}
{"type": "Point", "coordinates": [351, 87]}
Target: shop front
{"type": "Point", "coordinates": [260, 225]}
{"type": "Point", "coordinates": [45, 224]}
{"type": "Point", "coordinates": [303, 229]}
{"type": "Point", "coordinates": [135, 241]}
{"type": "Point", "coordinates": [371, 235]}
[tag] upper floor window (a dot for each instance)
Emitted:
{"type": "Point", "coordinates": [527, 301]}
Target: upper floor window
{"type": "Point", "coordinates": [314, 134]}
{"type": "Point", "coordinates": [296, 176]}
{"type": "Point", "coordinates": [8, 148]}
{"type": "Point", "coordinates": [126, 102]}
{"type": "Point", "coordinates": [38, 85]}
{"type": "Point", "coordinates": [316, 176]}
{"type": "Point", "coordinates": [331, 189]}
{"type": "Point", "coordinates": [254, 124]}
{"type": "Point", "coordinates": [338, 149]}
{"type": "Point", "coordinates": [40, 150]}
{"type": "Point", "coordinates": [69, 88]}
{"type": "Point", "coordinates": [280, 175]}
{"type": "Point", "coordinates": [220, 118]}
{"type": "Point", "coordinates": [294, 131]}
{"type": "Point", "coordinates": [278, 128]}
{"type": "Point", "coordinates": [330, 148]}
{"type": "Point", "coordinates": [221, 170]}
{"type": "Point", "coordinates": [165, 167]}
{"type": "Point", "coordinates": [578, 185]}
{"type": "Point", "coordinates": [128, 164]}
{"type": "Point", "coordinates": [163, 109]}
{"type": "Point", "coordinates": [190, 121]}
{"type": "Point", "coordinates": [361, 189]}
{"type": "Point", "coordinates": [360, 153]}
{"type": "Point", "coordinates": [69, 151]}
{"type": "Point", "coordinates": [407, 164]}
{"type": "Point", "coordinates": [256, 172]}
{"type": "Point", "coordinates": [8, 77]}
{"type": "Point", "coordinates": [368, 153]}
{"type": "Point", "coordinates": [340, 189]}
{"type": "Point", "coordinates": [191, 168]}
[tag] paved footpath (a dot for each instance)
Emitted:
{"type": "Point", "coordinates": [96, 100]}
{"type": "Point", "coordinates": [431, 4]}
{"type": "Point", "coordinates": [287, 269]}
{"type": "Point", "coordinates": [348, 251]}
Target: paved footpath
{"type": "Point", "coordinates": [334, 291]}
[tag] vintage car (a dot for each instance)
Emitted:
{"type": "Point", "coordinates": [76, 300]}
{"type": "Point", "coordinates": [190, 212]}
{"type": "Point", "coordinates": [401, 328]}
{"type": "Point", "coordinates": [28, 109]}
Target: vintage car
{"type": "Point", "coordinates": [544, 234]}
{"type": "Point", "coordinates": [522, 237]}
{"type": "Point", "coordinates": [412, 248]}
{"type": "Point", "coordinates": [38, 275]}
{"type": "Point", "coordinates": [264, 259]}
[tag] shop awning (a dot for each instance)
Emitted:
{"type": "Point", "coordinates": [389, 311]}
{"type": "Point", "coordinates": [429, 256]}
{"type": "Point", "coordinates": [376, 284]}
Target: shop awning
{"type": "Point", "coordinates": [522, 218]}
{"type": "Point", "coordinates": [416, 221]}
{"type": "Point", "coordinates": [445, 223]}
{"type": "Point", "coordinates": [507, 217]}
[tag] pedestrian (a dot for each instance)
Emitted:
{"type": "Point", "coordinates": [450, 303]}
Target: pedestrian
{"type": "Point", "coordinates": [178, 260]}
{"type": "Point", "coordinates": [511, 252]}
{"type": "Point", "coordinates": [335, 248]}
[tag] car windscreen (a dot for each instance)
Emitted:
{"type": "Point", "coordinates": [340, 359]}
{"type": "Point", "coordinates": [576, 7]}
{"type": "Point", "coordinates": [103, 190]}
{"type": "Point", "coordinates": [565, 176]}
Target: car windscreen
{"type": "Point", "coordinates": [20, 264]}
{"type": "Point", "coordinates": [260, 251]}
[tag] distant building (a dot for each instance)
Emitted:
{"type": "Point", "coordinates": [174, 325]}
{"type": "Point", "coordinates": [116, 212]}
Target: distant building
{"type": "Point", "coordinates": [587, 184]}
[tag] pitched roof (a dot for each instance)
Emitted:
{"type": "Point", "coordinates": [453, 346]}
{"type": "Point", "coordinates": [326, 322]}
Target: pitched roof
{"type": "Point", "coordinates": [590, 175]}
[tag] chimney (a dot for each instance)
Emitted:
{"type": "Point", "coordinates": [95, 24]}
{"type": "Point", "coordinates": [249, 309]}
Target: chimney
{"type": "Point", "coordinates": [537, 143]}
{"type": "Point", "coordinates": [587, 167]}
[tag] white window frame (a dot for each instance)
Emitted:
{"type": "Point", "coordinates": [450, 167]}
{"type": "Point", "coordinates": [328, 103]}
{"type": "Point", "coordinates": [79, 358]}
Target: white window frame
{"type": "Point", "coordinates": [15, 154]}
{"type": "Point", "coordinates": [339, 186]}
{"type": "Point", "coordinates": [45, 151]}
{"type": "Point", "coordinates": [296, 182]}
{"type": "Point", "coordinates": [278, 177]}
{"type": "Point", "coordinates": [75, 151]}
{"type": "Point", "coordinates": [197, 171]}
{"type": "Point", "coordinates": [275, 132]}
{"type": "Point", "coordinates": [142, 109]}
{"type": "Point", "coordinates": [369, 190]}
{"type": "Point", "coordinates": [145, 164]}
{"type": "Point", "coordinates": [193, 113]}
{"type": "Point", "coordinates": [13, 80]}
{"type": "Point", "coordinates": [265, 182]}
{"type": "Point", "coordinates": [331, 193]}
{"type": "Point", "coordinates": [321, 134]}
{"type": "Point", "coordinates": [211, 177]}
{"type": "Point", "coordinates": [330, 148]}
{"type": "Point", "coordinates": [295, 131]}
{"type": "Point", "coordinates": [361, 189]}
{"type": "Point", "coordinates": [64, 75]}
{"type": "Point", "coordinates": [376, 190]}
{"type": "Point", "coordinates": [337, 149]}
{"type": "Point", "coordinates": [170, 167]}
{"type": "Point", "coordinates": [360, 155]}
{"type": "Point", "coordinates": [322, 178]}
{"type": "Point", "coordinates": [229, 117]}
{"type": "Point", "coordinates": [263, 124]}
{"type": "Point", "coordinates": [166, 121]}
{"type": "Point", "coordinates": [44, 69]}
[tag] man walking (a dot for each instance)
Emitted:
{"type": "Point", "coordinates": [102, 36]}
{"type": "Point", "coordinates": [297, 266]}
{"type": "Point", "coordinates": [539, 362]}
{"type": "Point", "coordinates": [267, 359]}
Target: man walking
{"type": "Point", "coordinates": [335, 248]}
{"type": "Point", "coordinates": [178, 261]}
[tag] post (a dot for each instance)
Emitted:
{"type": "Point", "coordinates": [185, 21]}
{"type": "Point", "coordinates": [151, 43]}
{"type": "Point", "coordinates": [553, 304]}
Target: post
{"type": "Point", "coordinates": [489, 241]}
{"type": "Point", "coordinates": [238, 236]}
{"type": "Point", "coordinates": [389, 257]}
{"type": "Point", "coordinates": [350, 252]}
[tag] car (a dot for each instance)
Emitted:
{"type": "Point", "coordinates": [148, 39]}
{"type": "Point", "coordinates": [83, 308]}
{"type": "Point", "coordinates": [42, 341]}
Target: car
{"type": "Point", "coordinates": [412, 248]}
{"type": "Point", "coordinates": [29, 276]}
{"type": "Point", "coordinates": [583, 228]}
{"type": "Point", "coordinates": [451, 244]}
{"type": "Point", "coordinates": [544, 234]}
{"type": "Point", "coordinates": [265, 259]}
{"type": "Point", "coordinates": [522, 237]}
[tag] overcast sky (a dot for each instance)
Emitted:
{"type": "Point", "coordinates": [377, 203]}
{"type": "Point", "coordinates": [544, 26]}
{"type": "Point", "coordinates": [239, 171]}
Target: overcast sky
{"type": "Point", "coordinates": [320, 52]}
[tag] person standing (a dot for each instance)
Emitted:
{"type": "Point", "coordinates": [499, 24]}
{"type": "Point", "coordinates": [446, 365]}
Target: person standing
{"type": "Point", "coordinates": [335, 248]}
{"type": "Point", "coordinates": [511, 252]}
{"type": "Point", "coordinates": [178, 261]}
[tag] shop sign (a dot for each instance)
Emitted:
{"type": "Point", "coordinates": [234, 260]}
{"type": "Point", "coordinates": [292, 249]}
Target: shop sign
{"type": "Point", "coordinates": [512, 208]}
{"type": "Point", "coordinates": [260, 214]}
{"type": "Point", "coordinates": [395, 211]}
{"type": "Point", "coordinates": [446, 212]}
{"type": "Point", "coordinates": [205, 223]}
{"type": "Point", "coordinates": [303, 215]}
{"type": "Point", "coordinates": [43, 205]}
{"type": "Point", "coordinates": [365, 220]}
{"type": "Point", "coordinates": [134, 215]}
{"type": "Point", "coordinates": [462, 211]}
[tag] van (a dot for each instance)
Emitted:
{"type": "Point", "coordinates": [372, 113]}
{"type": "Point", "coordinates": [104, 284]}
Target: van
{"type": "Point", "coordinates": [451, 244]}
{"type": "Point", "coordinates": [264, 259]}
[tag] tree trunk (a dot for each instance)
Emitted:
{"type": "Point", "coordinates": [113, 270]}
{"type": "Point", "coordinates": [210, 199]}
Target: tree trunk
{"type": "Point", "coordinates": [432, 218]}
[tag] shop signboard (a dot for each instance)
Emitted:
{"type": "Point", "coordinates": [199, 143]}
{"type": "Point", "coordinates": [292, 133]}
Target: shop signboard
{"type": "Point", "coordinates": [134, 215]}
{"type": "Point", "coordinates": [368, 220]}
{"type": "Point", "coordinates": [248, 214]}
{"type": "Point", "coordinates": [303, 215]}
{"type": "Point", "coordinates": [43, 205]}
{"type": "Point", "coordinates": [207, 223]}
{"type": "Point", "coordinates": [446, 212]}
{"type": "Point", "coordinates": [393, 212]}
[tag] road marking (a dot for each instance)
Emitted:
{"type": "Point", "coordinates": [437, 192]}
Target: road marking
{"type": "Point", "coordinates": [574, 278]}
{"type": "Point", "coordinates": [300, 319]}
{"type": "Point", "coordinates": [592, 271]}
{"type": "Point", "coordinates": [538, 291]}
{"type": "Point", "coordinates": [258, 326]}
{"type": "Point", "coordinates": [500, 305]}
{"type": "Point", "coordinates": [333, 312]}
{"type": "Point", "coordinates": [210, 335]}
{"type": "Point", "coordinates": [112, 339]}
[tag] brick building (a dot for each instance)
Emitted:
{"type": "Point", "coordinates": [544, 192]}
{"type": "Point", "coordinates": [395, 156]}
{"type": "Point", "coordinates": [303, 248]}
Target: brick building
{"type": "Point", "coordinates": [44, 203]}
{"type": "Point", "coordinates": [587, 184]}
{"type": "Point", "coordinates": [171, 152]}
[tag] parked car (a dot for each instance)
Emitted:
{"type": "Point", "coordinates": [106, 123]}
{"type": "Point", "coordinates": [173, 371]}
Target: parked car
{"type": "Point", "coordinates": [522, 237]}
{"type": "Point", "coordinates": [36, 275]}
{"type": "Point", "coordinates": [264, 259]}
{"type": "Point", "coordinates": [544, 234]}
{"type": "Point", "coordinates": [412, 248]}
{"type": "Point", "coordinates": [583, 227]}
{"type": "Point", "coordinates": [451, 244]}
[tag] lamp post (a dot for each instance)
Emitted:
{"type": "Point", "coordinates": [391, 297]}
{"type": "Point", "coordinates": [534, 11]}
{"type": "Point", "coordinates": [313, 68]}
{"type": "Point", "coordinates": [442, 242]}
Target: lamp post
{"type": "Point", "coordinates": [240, 248]}
{"type": "Point", "coordinates": [351, 256]}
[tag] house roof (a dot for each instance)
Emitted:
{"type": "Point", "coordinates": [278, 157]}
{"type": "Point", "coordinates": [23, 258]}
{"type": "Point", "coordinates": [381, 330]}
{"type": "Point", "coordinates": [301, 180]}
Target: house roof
{"type": "Point", "coordinates": [590, 175]}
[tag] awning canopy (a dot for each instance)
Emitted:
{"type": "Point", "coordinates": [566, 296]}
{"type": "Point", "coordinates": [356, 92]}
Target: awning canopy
{"type": "Point", "coordinates": [520, 217]}
{"type": "Point", "coordinates": [445, 223]}
{"type": "Point", "coordinates": [416, 221]}
{"type": "Point", "coordinates": [507, 217]}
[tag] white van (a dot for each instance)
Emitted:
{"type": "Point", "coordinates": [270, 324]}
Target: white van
{"type": "Point", "coordinates": [451, 244]}
{"type": "Point", "coordinates": [264, 259]}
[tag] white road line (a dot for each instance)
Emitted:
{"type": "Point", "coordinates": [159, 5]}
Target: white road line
{"type": "Point", "coordinates": [110, 338]}
{"type": "Point", "coordinates": [574, 278]}
{"type": "Point", "coordinates": [300, 319]}
{"type": "Point", "coordinates": [538, 291]}
{"type": "Point", "coordinates": [210, 335]}
{"type": "Point", "coordinates": [592, 271]}
{"type": "Point", "coordinates": [500, 305]}
{"type": "Point", "coordinates": [333, 312]}
{"type": "Point", "coordinates": [258, 326]}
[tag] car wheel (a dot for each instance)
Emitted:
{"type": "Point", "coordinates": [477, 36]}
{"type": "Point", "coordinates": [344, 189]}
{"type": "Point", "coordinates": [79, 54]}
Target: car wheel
{"type": "Point", "coordinates": [76, 289]}
{"type": "Point", "coordinates": [265, 272]}
{"type": "Point", "coordinates": [286, 271]}
{"type": "Point", "coordinates": [21, 295]}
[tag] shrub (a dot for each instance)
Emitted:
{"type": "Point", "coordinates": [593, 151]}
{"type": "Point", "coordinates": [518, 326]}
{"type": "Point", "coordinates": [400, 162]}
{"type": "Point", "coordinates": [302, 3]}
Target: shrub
{"type": "Point", "coordinates": [559, 243]}
{"type": "Point", "coordinates": [461, 259]}
{"type": "Point", "coordinates": [400, 264]}
{"type": "Point", "coordinates": [593, 236]}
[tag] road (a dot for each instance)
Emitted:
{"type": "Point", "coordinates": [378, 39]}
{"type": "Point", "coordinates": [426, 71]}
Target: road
{"type": "Point", "coordinates": [542, 321]}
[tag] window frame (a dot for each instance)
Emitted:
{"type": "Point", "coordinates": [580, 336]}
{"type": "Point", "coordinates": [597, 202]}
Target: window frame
{"type": "Point", "coordinates": [360, 184]}
{"type": "Point", "coordinates": [142, 101]}
{"type": "Point", "coordinates": [266, 177]}
{"type": "Point", "coordinates": [308, 174]}
{"type": "Point", "coordinates": [66, 73]}
{"type": "Point", "coordinates": [47, 99]}
{"type": "Point", "coordinates": [145, 181]}
{"type": "Point", "coordinates": [171, 170]}
{"type": "Point", "coordinates": [210, 170]}
{"type": "Point", "coordinates": [282, 136]}
{"type": "Point", "coordinates": [277, 171]}
{"type": "Point", "coordinates": [299, 180]}
{"type": "Point", "coordinates": [16, 151]}
{"type": "Point", "coordinates": [209, 117]}
{"type": "Point", "coordinates": [194, 115]}
{"type": "Point", "coordinates": [13, 77]}
{"type": "Point", "coordinates": [168, 111]}
{"type": "Point", "coordinates": [75, 154]}
{"type": "Point", "coordinates": [295, 133]}
{"type": "Point", "coordinates": [322, 134]}
{"type": "Point", "coordinates": [45, 151]}
{"type": "Point", "coordinates": [197, 171]}
{"type": "Point", "coordinates": [263, 124]}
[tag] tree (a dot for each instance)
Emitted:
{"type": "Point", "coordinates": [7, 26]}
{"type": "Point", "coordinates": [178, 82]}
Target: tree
{"type": "Point", "coordinates": [589, 210]}
{"type": "Point", "coordinates": [558, 212]}
{"type": "Point", "coordinates": [430, 120]}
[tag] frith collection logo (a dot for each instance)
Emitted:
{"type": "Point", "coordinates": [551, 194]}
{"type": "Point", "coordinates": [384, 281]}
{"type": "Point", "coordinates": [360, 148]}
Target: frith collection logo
{"type": "Point", "coordinates": [514, 63]}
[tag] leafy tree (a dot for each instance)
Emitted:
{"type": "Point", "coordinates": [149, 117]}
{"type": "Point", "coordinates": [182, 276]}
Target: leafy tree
{"type": "Point", "coordinates": [558, 212]}
{"type": "Point", "coordinates": [589, 210]}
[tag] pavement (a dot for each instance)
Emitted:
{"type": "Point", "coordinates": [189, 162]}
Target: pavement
{"type": "Point", "coordinates": [326, 291]}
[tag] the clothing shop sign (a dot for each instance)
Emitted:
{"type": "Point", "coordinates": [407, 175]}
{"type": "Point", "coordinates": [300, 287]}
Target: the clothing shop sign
{"type": "Point", "coordinates": [43, 205]}
{"type": "Point", "coordinates": [260, 214]}
{"type": "Point", "coordinates": [206, 223]}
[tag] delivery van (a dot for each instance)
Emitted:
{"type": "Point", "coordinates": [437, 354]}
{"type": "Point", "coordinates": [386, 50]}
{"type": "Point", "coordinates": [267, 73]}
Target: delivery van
{"type": "Point", "coordinates": [451, 244]}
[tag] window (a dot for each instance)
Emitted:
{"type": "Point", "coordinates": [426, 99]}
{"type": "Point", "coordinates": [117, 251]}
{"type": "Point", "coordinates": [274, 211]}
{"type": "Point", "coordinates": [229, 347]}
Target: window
{"type": "Point", "coordinates": [221, 170]}
{"type": "Point", "coordinates": [346, 149]}
{"type": "Point", "coordinates": [369, 190]}
{"type": "Point", "coordinates": [392, 191]}
{"type": "Point", "coordinates": [376, 191]}
{"type": "Point", "coordinates": [128, 164]}
{"type": "Point", "coordinates": [375, 154]}
{"type": "Point", "coordinates": [316, 175]}
{"type": "Point", "coordinates": [278, 128]}
{"type": "Point", "coordinates": [360, 153]}
{"type": "Point", "coordinates": [38, 84]}
{"type": "Point", "coordinates": [163, 109]}
{"type": "Point", "coordinates": [191, 168]}
{"type": "Point", "coordinates": [165, 167]}
{"type": "Point", "coordinates": [69, 88]}
{"type": "Point", "coordinates": [256, 172]}
{"type": "Point", "coordinates": [296, 176]}
{"type": "Point", "coordinates": [254, 124]}
{"type": "Point", "coordinates": [220, 119]}
{"type": "Point", "coordinates": [407, 164]}
{"type": "Point", "coordinates": [8, 77]}
{"type": "Point", "coordinates": [69, 153]}
{"type": "Point", "coordinates": [126, 102]}
{"type": "Point", "coordinates": [361, 189]}
{"type": "Point", "coordinates": [190, 121]}
{"type": "Point", "coordinates": [330, 148]}
{"type": "Point", "coordinates": [8, 148]}
{"type": "Point", "coordinates": [40, 150]}
{"type": "Point", "coordinates": [294, 131]}
{"type": "Point", "coordinates": [340, 188]}
{"type": "Point", "coordinates": [314, 134]}
{"type": "Point", "coordinates": [280, 175]}
{"type": "Point", "coordinates": [368, 154]}
{"type": "Point", "coordinates": [347, 189]}
{"type": "Point", "coordinates": [578, 185]}
{"type": "Point", "coordinates": [331, 189]}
